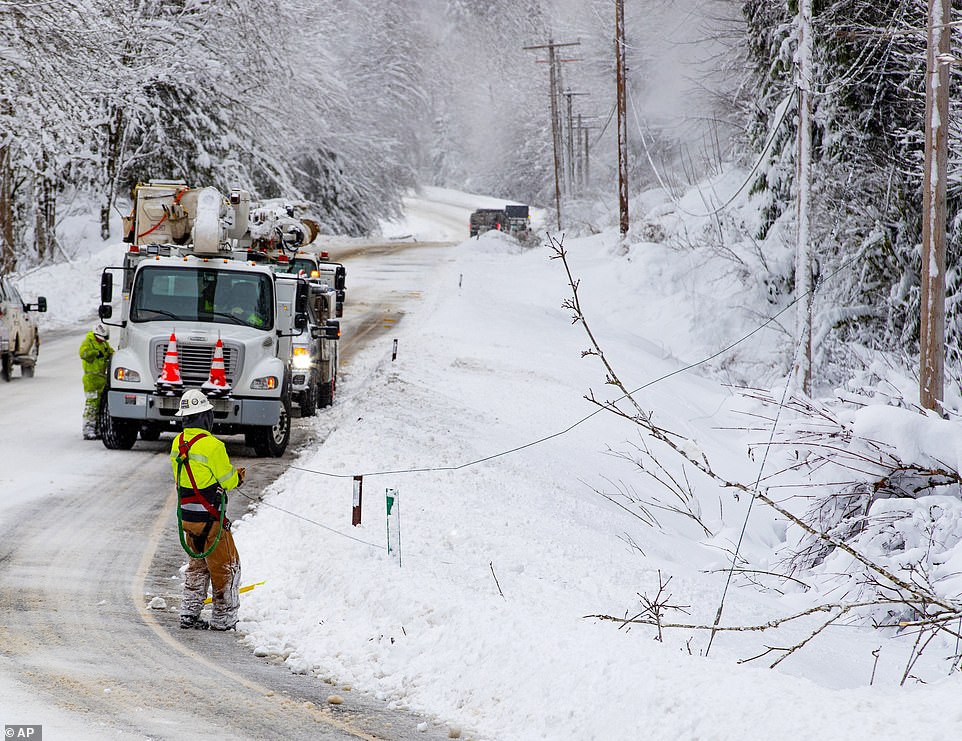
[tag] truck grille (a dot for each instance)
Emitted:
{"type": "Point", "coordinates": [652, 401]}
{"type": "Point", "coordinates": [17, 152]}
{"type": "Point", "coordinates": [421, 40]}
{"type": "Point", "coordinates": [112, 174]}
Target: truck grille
{"type": "Point", "coordinates": [195, 361]}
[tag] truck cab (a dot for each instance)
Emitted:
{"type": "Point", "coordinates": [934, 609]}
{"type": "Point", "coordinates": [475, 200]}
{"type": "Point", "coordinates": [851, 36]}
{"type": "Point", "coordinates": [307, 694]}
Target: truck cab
{"type": "Point", "coordinates": [317, 266]}
{"type": "Point", "coordinates": [186, 287]}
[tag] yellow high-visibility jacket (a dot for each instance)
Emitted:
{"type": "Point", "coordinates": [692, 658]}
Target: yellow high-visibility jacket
{"type": "Point", "coordinates": [95, 355]}
{"type": "Point", "coordinates": [208, 461]}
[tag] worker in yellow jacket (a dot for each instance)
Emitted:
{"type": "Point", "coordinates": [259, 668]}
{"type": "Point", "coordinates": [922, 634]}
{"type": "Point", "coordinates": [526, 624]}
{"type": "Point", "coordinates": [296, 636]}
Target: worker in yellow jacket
{"type": "Point", "coordinates": [204, 474]}
{"type": "Point", "coordinates": [95, 353]}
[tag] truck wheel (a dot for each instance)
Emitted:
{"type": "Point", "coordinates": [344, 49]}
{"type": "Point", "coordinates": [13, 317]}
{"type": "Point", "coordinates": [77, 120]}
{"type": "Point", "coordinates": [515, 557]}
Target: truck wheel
{"type": "Point", "coordinates": [308, 402]}
{"type": "Point", "coordinates": [149, 432]}
{"type": "Point", "coordinates": [271, 442]}
{"type": "Point", "coordinates": [325, 395]}
{"type": "Point", "coordinates": [116, 433]}
{"type": "Point", "coordinates": [27, 368]}
{"type": "Point", "coordinates": [6, 366]}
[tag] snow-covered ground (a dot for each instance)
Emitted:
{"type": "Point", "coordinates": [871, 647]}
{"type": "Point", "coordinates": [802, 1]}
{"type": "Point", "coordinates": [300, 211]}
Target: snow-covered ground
{"type": "Point", "coordinates": [507, 542]}
{"type": "Point", "coordinates": [506, 545]}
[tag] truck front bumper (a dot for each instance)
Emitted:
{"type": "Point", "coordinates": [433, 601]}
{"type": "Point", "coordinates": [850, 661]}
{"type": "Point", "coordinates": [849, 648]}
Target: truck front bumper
{"type": "Point", "coordinates": [150, 407]}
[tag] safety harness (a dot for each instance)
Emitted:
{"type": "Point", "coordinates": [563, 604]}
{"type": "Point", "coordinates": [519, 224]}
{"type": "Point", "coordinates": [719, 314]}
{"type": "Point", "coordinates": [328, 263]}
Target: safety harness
{"type": "Point", "coordinates": [183, 462]}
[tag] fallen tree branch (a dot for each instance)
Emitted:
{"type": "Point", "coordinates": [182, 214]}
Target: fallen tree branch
{"type": "Point", "coordinates": [644, 419]}
{"type": "Point", "coordinates": [760, 627]}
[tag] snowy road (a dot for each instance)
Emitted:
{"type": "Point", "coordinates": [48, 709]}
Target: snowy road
{"type": "Point", "coordinates": [89, 535]}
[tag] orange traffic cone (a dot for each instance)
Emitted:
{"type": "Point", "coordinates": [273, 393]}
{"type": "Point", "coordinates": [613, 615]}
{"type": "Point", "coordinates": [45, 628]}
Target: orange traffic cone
{"type": "Point", "coordinates": [170, 376]}
{"type": "Point", "coordinates": [217, 380]}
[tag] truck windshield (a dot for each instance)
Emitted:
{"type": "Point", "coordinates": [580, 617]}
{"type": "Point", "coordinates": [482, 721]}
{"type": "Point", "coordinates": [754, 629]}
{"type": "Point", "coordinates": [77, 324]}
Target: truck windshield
{"type": "Point", "coordinates": [163, 293]}
{"type": "Point", "coordinates": [296, 265]}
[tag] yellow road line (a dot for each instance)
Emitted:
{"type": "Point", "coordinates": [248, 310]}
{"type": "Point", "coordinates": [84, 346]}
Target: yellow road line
{"type": "Point", "coordinates": [137, 596]}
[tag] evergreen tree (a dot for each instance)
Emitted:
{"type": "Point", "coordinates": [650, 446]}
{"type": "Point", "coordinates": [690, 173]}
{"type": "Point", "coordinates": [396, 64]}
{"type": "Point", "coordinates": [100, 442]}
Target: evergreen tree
{"type": "Point", "coordinates": [868, 128]}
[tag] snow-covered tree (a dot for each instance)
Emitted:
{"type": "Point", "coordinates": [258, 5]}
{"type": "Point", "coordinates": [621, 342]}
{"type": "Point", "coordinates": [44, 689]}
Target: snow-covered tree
{"type": "Point", "coordinates": [868, 130]}
{"type": "Point", "coordinates": [43, 111]}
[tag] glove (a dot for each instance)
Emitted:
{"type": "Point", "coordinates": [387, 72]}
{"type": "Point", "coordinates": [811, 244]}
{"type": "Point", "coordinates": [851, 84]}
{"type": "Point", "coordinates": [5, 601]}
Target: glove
{"type": "Point", "coordinates": [241, 472]}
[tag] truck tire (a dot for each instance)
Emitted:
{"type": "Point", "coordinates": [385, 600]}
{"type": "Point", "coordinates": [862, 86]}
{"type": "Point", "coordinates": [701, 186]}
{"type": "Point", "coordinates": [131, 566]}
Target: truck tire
{"type": "Point", "coordinates": [149, 431]}
{"type": "Point", "coordinates": [116, 433]}
{"type": "Point", "coordinates": [6, 366]}
{"type": "Point", "coordinates": [29, 363]}
{"type": "Point", "coordinates": [271, 442]}
{"type": "Point", "coordinates": [325, 394]}
{"type": "Point", "coordinates": [308, 401]}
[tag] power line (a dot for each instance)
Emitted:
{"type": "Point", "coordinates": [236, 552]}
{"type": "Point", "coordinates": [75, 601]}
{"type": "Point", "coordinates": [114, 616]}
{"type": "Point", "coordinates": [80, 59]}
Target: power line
{"type": "Point", "coordinates": [262, 503]}
{"type": "Point", "coordinates": [748, 179]}
{"type": "Point", "coordinates": [434, 469]}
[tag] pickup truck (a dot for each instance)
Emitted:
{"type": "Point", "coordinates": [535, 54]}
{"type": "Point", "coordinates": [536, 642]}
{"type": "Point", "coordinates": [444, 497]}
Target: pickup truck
{"type": "Point", "coordinates": [19, 338]}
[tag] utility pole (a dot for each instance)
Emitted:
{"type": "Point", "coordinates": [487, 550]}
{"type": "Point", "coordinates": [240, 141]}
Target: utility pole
{"type": "Point", "coordinates": [571, 185]}
{"type": "Point", "coordinates": [554, 73]}
{"type": "Point", "coordinates": [622, 118]}
{"type": "Point", "coordinates": [586, 170]}
{"type": "Point", "coordinates": [583, 143]}
{"type": "Point", "coordinates": [802, 372]}
{"type": "Point", "coordinates": [580, 174]}
{"type": "Point", "coordinates": [932, 329]}
{"type": "Point", "coordinates": [579, 158]}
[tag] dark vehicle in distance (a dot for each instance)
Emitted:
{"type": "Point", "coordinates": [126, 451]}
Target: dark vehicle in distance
{"type": "Point", "coordinates": [486, 219]}
{"type": "Point", "coordinates": [517, 221]}
{"type": "Point", "coordinates": [513, 219]}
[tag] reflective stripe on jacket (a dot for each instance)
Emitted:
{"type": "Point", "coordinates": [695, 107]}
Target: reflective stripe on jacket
{"type": "Point", "coordinates": [208, 462]}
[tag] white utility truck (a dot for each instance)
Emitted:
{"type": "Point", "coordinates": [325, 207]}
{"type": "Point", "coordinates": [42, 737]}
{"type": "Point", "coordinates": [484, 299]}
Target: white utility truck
{"type": "Point", "coordinates": [187, 286]}
{"type": "Point", "coordinates": [315, 353]}
{"type": "Point", "coordinates": [286, 243]}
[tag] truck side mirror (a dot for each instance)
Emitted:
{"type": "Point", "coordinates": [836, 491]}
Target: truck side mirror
{"type": "Point", "coordinates": [106, 288]}
{"type": "Point", "coordinates": [332, 330]}
{"type": "Point", "coordinates": [340, 278]}
{"type": "Point", "coordinates": [300, 304]}
{"type": "Point", "coordinates": [41, 304]}
{"type": "Point", "coordinates": [105, 311]}
{"type": "Point", "coordinates": [303, 295]}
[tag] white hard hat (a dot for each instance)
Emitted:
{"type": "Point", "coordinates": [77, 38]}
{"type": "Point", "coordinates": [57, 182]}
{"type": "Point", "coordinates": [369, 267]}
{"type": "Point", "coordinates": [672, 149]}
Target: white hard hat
{"type": "Point", "coordinates": [101, 331]}
{"type": "Point", "coordinates": [193, 402]}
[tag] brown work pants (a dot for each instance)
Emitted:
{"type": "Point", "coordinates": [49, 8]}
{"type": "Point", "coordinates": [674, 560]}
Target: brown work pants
{"type": "Point", "coordinates": [221, 571]}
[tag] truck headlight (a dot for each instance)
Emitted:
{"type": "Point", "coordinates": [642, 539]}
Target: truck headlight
{"type": "Point", "coordinates": [264, 383]}
{"type": "Point", "coordinates": [302, 358]}
{"type": "Point", "coordinates": [125, 374]}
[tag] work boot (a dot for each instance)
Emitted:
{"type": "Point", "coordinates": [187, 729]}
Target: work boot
{"type": "Point", "coordinates": [228, 627]}
{"type": "Point", "coordinates": [197, 623]}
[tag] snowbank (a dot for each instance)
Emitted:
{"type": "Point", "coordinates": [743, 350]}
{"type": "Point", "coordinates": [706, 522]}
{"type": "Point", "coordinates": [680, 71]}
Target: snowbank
{"type": "Point", "coordinates": [483, 624]}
